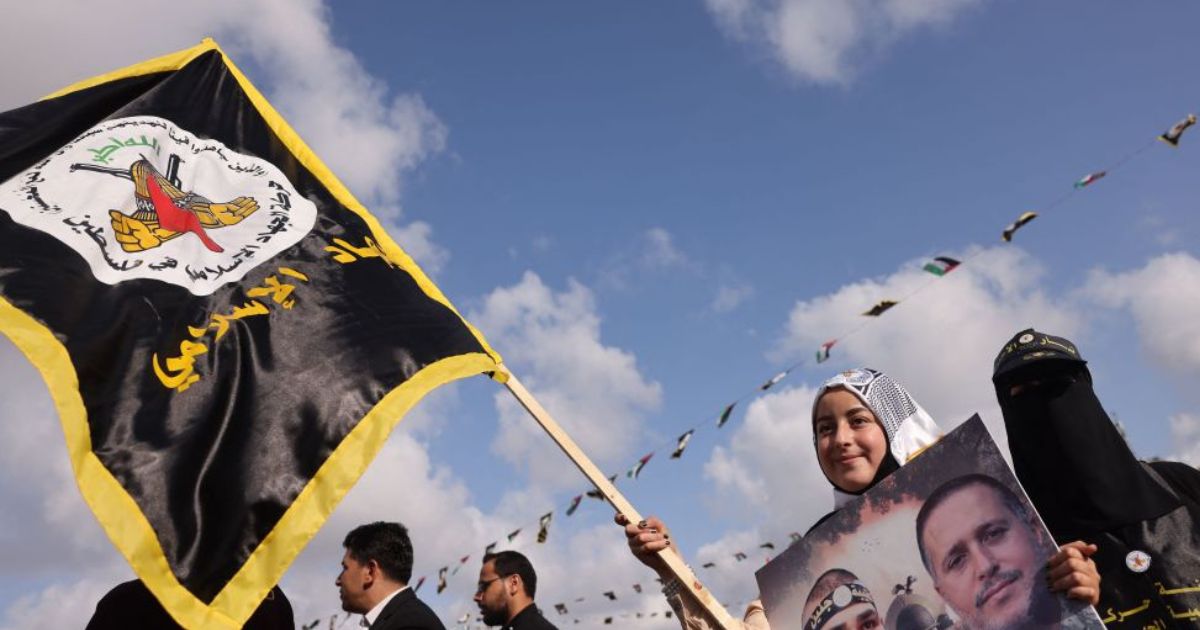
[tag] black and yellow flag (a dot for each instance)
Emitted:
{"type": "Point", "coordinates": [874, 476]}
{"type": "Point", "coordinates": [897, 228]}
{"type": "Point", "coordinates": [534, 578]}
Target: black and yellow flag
{"type": "Point", "coordinates": [228, 335]}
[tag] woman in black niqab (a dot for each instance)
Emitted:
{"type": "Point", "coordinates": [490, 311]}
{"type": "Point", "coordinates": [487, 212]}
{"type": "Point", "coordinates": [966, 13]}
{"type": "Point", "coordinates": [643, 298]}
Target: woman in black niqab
{"type": "Point", "coordinates": [1087, 484]}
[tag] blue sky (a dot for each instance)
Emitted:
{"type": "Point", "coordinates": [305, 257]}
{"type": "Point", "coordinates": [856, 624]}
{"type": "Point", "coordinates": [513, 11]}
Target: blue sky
{"type": "Point", "coordinates": [650, 210]}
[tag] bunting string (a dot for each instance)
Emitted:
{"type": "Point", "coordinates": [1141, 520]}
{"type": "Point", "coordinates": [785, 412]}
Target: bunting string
{"type": "Point", "coordinates": [938, 268]}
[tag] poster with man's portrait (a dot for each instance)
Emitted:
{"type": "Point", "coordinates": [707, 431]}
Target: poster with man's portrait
{"type": "Point", "coordinates": [948, 541]}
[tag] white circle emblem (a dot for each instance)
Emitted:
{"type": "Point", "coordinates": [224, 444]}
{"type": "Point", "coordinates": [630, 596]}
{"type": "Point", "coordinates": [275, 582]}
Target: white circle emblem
{"type": "Point", "coordinates": [1137, 561]}
{"type": "Point", "coordinates": [141, 197]}
{"type": "Point", "coordinates": [1026, 338]}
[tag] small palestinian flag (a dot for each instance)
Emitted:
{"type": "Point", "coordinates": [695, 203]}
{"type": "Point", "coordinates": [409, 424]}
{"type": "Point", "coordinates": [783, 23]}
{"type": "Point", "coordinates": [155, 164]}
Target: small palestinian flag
{"type": "Point", "coordinates": [823, 352]}
{"type": "Point", "coordinates": [574, 504]}
{"type": "Point", "coordinates": [880, 308]}
{"type": "Point", "coordinates": [941, 265]}
{"type": "Point", "coordinates": [544, 526]}
{"type": "Point", "coordinates": [513, 535]}
{"type": "Point", "coordinates": [637, 468]}
{"type": "Point", "coordinates": [487, 551]}
{"type": "Point", "coordinates": [611, 595]}
{"type": "Point", "coordinates": [461, 562]}
{"type": "Point", "coordinates": [1089, 178]}
{"type": "Point", "coordinates": [229, 334]}
{"type": "Point", "coordinates": [420, 582]}
{"type": "Point", "coordinates": [595, 493]}
{"type": "Point", "coordinates": [1025, 217]}
{"type": "Point", "coordinates": [561, 608]}
{"type": "Point", "coordinates": [774, 380]}
{"type": "Point", "coordinates": [683, 442]}
{"type": "Point", "coordinates": [442, 579]}
{"type": "Point", "coordinates": [1173, 134]}
{"type": "Point", "coordinates": [725, 415]}
{"type": "Point", "coordinates": [739, 556]}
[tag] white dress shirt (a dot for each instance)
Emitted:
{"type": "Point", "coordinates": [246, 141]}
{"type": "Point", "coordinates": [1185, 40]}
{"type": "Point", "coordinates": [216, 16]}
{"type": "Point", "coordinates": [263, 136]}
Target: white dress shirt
{"type": "Point", "coordinates": [373, 614]}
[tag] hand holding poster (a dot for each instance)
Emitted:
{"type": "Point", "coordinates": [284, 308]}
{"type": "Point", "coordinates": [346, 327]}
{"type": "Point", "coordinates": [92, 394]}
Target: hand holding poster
{"type": "Point", "coordinates": [947, 541]}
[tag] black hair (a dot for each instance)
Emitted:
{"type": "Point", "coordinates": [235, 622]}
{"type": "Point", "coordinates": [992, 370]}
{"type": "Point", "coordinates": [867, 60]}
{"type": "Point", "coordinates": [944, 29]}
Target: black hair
{"type": "Point", "coordinates": [385, 543]}
{"type": "Point", "coordinates": [513, 563]}
{"type": "Point", "coordinates": [944, 491]}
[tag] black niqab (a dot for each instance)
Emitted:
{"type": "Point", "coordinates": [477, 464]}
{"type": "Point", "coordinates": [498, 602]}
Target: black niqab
{"type": "Point", "coordinates": [1087, 485]}
{"type": "Point", "coordinates": [1069, 456]}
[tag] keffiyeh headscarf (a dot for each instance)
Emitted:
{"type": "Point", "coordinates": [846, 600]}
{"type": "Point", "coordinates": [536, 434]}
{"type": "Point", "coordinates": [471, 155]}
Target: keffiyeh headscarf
{"type": "Point", "coordinates": [909, 428]}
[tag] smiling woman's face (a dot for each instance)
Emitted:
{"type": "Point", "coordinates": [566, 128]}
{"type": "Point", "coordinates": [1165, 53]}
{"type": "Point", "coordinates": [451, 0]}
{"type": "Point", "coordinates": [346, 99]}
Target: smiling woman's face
{"type": "Point", "coordinates": [850, 442]}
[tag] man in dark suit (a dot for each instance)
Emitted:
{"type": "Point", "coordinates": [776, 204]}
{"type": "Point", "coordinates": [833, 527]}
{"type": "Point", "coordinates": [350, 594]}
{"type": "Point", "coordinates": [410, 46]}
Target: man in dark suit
{"type": "Point", "coordinates": [374, 579]}
{"type": "Point", "coordinates": [505, 592]}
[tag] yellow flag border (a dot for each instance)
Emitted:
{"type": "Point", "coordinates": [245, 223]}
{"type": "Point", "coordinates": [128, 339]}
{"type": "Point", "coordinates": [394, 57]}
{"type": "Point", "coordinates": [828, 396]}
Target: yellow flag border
{"type": "Point", "coordinates": [116, 510]}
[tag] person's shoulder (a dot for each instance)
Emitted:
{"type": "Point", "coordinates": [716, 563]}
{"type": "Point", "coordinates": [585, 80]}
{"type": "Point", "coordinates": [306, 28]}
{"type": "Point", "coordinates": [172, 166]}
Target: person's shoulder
{"type": "Point", "coordinates": [1180, 477]}
{"type": "Point", "coordinates": [407, 612]}
{"type": "Point", "coordinates": [532, 619]}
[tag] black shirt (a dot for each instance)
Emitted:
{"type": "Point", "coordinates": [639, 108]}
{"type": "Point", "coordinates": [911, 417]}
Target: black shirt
{"type": "Point", "coordinates": [529, 619]}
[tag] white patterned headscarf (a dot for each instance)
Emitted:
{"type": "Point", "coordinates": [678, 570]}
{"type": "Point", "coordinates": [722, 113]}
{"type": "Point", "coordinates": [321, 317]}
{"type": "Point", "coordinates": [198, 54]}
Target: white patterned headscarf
{"type": "Point", "coordinates": [909, 428]}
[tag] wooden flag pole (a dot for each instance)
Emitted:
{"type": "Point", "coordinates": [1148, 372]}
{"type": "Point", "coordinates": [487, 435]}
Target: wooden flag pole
{"type": "Point", "coordinates": [669, 555]}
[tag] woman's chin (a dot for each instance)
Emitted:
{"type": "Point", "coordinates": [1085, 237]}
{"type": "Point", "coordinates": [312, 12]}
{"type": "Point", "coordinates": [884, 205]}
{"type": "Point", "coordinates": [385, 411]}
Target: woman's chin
{"type": "Point", "coordinates": [853, 485]}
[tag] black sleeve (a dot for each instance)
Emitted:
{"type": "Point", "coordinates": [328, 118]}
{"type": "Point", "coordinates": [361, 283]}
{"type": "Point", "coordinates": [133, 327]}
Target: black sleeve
{"type": "Point", "coordinates": [1181, 478]}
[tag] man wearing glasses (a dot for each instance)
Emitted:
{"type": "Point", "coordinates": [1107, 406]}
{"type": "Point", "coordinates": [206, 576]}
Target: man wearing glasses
{"type": "Point", "coordinates": [505, 592]}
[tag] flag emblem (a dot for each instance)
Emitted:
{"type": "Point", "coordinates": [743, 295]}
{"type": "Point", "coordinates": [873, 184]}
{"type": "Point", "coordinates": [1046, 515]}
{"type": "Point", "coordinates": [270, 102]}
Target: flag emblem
{"type": "Point", "coordinates": [143, 198]}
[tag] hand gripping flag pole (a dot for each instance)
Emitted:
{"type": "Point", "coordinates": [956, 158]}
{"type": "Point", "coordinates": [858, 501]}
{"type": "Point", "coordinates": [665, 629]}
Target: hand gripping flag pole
{"type": "Point", "coordinates": [670, 556]}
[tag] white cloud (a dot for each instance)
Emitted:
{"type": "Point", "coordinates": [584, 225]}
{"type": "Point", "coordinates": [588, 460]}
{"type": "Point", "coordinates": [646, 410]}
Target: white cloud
{"type": "Point", "coordinates": [65, 605]}
{"type": "Point", "coordinates": [730, 296]}
{"type": "Point", "coordinates": [660, 251]}
{"type": "Point", "coordinates": [652, 251]}
{"type": "Point", "coordinates": [1162, 299]}
{"type": "Point", "coordinates": [1185, 435]}
{"type": "Point", "coordinates": [940, 343]}
{"type": "Point", "coordinates": [417, 239]}
{"type": "Point", "coordinates": [593, 390]}
{"type": "Point", "coordinates": [823, 41]}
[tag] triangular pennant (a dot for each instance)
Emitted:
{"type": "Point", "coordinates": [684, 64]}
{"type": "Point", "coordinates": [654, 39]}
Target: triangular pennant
{"type": "Point", "coordinates": [823, 352]}
{"type": "Point", "coordinates": [880, 308]}
{"type": "Point", "coordinates": [544, 526]}
{"type": "Point", "coordinates": [1089, 179]}
{"type": "Point", "coordinates": [725, 415]}
{"type": "Point", "coordinates": [637, 468]}
{"type": "Point", "coordinates": [1172, 135]}
{"type": "Point", "coordinates": [774, 380]}
{"type": "Point", "coordinates": [574, 504]}
{"type": "Point", "coordinates": [1025, 217]}
{"type": "Point", "coordinates": [682, 444]}
{"type": "Point", "coordinates": [941, 265]}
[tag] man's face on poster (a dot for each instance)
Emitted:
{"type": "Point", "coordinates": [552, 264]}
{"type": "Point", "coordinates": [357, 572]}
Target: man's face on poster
{"type": "Point", "coordinates": [985, 560]}
{"type": "Point", "coordinates": [854, 617]}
